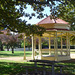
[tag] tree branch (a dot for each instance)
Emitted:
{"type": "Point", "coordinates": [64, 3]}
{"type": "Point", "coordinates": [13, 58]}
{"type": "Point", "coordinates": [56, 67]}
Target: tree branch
{"type": "Point", "coordinates": [34, 1]}
{"type": "Point", "coordinates": [5, 26]}
{"type": "Point", "coordinates": [38, 1]}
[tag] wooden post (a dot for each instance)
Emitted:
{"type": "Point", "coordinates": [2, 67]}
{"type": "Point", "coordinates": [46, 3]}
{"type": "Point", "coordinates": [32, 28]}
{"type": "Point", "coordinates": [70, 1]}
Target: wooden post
{"type": "Point", "coordinates": [61, 43]}
{"type": "Point", "coordinates": [56, 47]}
{"type": "Point", "coordinates": [32, 47]}
{"type": "Point", "coordinates": [40, 51]}
{"type": "Point", "coordinates": [67, 43]}
{"type": "Point", "coordinates": [49, 44]}
{"type": "Point", "coordinates": [54, 43]}
{"type": "Point", "coordinates": [24, 48]}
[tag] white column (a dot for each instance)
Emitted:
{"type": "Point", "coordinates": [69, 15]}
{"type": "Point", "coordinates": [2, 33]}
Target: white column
{"type": "Point", "coordinates": [40, 51]}
{"type": "Point", "coordinates": [24, 48]}
{"type": "Point", "coordinates": [49, 44]}
{"type": "Point", "coordinates": [33, 47]}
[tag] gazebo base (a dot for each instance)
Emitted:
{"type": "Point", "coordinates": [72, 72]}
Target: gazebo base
{"type": "Point", "coordinates": [63, 57]}
{"type": "Point", "coordinates": [53, 58]}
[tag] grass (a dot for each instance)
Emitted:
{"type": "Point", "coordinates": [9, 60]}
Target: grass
{"type": "Point", "coordinates": [8, 67]}
{"type": "Point", "coordinates": [20, 53]}
{"type": "Point", "coordinates": [72, 50]}
{"type": "Point", "coordinates": [14, 68]}
{"type": "Point", "coordinates": [15, 54]}
{"type": "Point", "coordinates": [71, 67]}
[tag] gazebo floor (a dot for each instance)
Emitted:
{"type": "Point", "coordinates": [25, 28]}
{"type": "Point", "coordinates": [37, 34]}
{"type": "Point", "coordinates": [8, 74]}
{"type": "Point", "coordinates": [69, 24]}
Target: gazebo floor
{"type": "Point", "coordinates": [53, 58]}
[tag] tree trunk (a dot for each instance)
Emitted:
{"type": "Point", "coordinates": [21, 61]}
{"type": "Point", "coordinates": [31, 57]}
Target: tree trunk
{"type": "Point", "coordinates": [20, 45]}
{"type": "Point", "coordinates": [2, 48]}
{"type": "Point", "coordinates": [12, 50]}
{"type": "Point", "coordinates": [7, 48]}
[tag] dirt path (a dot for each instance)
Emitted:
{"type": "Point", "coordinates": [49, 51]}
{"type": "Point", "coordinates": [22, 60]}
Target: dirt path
{"type": "Point", "coordinates": [16, 58]}
{"type": "Point", "coordinates": [28, 58]}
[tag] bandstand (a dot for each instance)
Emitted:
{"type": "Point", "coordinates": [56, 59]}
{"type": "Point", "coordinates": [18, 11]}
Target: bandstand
{"type": "Point", "coordinates": [55, 29]}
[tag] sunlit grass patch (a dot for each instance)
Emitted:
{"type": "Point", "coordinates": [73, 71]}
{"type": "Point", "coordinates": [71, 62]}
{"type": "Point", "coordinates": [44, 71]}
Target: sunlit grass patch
{"type": "Point", "coordinates": [16, 53]}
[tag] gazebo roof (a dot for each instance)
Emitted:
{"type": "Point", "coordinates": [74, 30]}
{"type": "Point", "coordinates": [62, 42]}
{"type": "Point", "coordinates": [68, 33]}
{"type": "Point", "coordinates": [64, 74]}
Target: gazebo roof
{"type": "Point", "coordinates": [47, 20]}
{"type": "Point", "coordinates": [54, 24]}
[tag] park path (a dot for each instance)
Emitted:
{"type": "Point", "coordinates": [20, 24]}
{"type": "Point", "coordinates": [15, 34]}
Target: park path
{"type": "Point", "coordinates": [28, 58]}
{"type": "Point", "coordinates": [15, 58]}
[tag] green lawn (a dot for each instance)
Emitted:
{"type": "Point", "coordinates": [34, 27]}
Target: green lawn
{"type": "Point", "coordinates": [20, 53]}
{"type": "Point", "coordinates": [72, 50]}
{"type": "Point", "coordinates": [15, 54]}
{"type": "Point", "coordinates": [8, 67]}
{"type": "Point", "coordinates": [14, 68]}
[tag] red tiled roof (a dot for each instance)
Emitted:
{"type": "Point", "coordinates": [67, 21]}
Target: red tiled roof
{"type": "Point", "coordinates": [48, 20]}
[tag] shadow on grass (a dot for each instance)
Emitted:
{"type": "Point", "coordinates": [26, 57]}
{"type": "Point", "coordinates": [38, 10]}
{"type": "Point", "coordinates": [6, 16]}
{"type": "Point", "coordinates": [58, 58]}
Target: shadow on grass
{"type": "Point", "coordinates": [70, 69]}
{"type": "Point", "coordinates": [69, 61]}
{"type": "Point", "coordinates": [7, 68]}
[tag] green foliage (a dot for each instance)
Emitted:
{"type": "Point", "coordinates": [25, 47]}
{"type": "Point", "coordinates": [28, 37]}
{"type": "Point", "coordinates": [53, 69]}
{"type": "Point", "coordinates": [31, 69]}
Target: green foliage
{"type": "Point", "coordinates": [66, 11]}
{"type": "Point", "coordinates": [10, 15]}
{"type": "Point", "coordinates": [0, 43]}
{"type": "Point", "coordinates": [1, 46]}
{"type": "Point", "coordinates": [28, 42]}
{"type": "Point", "coordinates": [22, 44]}
{"type": "Point", "coordinates": [72, 40]}
{"type": "Point", "coordinates": [10, 18]}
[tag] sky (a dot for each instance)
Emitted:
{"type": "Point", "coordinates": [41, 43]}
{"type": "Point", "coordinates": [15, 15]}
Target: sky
{"type": "Point", "coordinates": [34, 20]}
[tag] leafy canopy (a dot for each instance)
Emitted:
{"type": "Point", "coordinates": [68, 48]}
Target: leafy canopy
{"type": "Point", "coordinates": [10, 15]}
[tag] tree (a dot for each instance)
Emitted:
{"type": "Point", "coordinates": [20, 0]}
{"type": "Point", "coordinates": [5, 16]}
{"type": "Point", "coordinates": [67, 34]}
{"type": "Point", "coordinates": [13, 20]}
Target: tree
{"type": "Point", "coordinates": [28, 42]}
{"type": "Point", "coordinates": [68, 14]}
{"type": "Point", "coordinates": [12, 42]}
{"type": "Point", "coordinates": [10, 15]}
{"type": "Point", "coordinates": [1, 46]}
{"type": "Point", "coordinates": [3, 38]}
{"type": "Point", "coordinates": [9, 40]}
